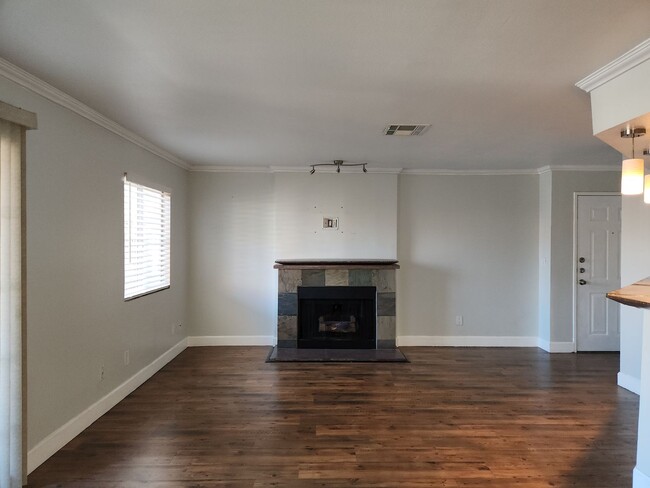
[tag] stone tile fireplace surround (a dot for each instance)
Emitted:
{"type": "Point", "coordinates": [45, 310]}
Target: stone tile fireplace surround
{"type": "Point", "coordinates": [324, 273]}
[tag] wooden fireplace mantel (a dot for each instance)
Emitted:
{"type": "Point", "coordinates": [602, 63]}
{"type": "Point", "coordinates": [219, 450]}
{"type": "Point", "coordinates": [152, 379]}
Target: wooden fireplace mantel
{"type": "Point", "coordinates": [336, 264]}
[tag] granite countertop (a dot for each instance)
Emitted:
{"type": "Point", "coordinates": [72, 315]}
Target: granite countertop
{"type": "Point", "coordinates": [335, 263]}
{"type": "Point", "coordinates": [635, 295]}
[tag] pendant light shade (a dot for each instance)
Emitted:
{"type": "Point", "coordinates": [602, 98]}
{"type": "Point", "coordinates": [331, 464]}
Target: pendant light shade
{"type": "Point", "coordinates": [632, 177]}
{"type": "Point", "coordinates": [633, 170]}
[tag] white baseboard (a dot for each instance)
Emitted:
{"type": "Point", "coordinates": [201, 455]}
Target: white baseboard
{"type": "Point", "coordinates": [640, 479]}
{"type": "Point", "coordinates": [564, 347]}
{"type": "Point", "coordinates": [467, 341]}
{"type": "Point", "coordinates": [629, 382]}
{"type": "Point", "coordinates": [64, 434]}
{"type": "Point", "coordinates": [231, 341]}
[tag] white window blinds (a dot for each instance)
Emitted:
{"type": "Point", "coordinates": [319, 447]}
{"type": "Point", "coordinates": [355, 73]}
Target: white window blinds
{"type": "Point", "coordinates": [147, 239]}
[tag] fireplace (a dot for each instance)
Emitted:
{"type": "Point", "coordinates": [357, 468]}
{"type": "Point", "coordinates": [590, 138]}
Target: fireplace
{"type": "Point", "coordinates": [337, 317]}
{"type": "Point", "coordinates": [346, 304]}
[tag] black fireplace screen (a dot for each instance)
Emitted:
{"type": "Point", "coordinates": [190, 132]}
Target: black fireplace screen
{"type": "Point", "coordinates": [337, 317]}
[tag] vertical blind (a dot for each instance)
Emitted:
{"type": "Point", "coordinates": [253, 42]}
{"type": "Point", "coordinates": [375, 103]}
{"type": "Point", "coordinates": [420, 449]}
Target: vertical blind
{"type": "Point", "coordinates": [147, 239]}
{"type": "Point", "coordinates": [10, 306]}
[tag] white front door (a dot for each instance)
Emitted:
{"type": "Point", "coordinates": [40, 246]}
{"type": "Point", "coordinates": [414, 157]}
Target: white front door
{"type": "Point", "coordinates": [597, 272]}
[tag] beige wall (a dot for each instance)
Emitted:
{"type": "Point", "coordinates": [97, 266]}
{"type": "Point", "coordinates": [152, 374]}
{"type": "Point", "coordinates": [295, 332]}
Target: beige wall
{"type": "Point", "coordinates": [468, 246]}
{"type": "Point", "coordinates": [621, 99]}
{"type": "Point", "coordinates": [635, 265]}
{"type": "Point", "coordinates": [242, 222]}
{"type": "Point", "coordinates": [232, 281]}
{"type": "Point", "coordinates": [365, 204]}
{"type": "Point", "coordinates": [77, 320]}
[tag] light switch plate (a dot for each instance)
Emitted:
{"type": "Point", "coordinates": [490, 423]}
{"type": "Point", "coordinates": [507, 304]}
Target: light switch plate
{"type": "Point", "coordinates": [330, 223]}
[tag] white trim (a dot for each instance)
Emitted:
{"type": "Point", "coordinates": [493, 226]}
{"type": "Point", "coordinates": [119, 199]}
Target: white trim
{"type": "Point", "coordinates": [556, 347]}
{"type": "Point", "coordinates": [18, 116]}
{"type": "Point", "coordinates": [574, 273]}
{"type": "Point", "coordinates": [575, 167]}
{"type": "Point", "coordinates": [467, 341]}
{"type": "Point", "coordinates": [629, 382]}
{"type": "Point", "coordinates": [469, 172]}
{"type": "Point", "coordinates": [230, 341]}
{"type": "Point", "coordinates": [640, 479]}
{"type": "Point", "coordinates": [620, 65]}
{"type": "Point", "coordinates": [197, 168]}
{"type": "Point", "coordinates": [64, 434]}
{"type": "Point", "coordinates": [40, 87]}
{"type": "Point", "coordinates": [394, 171]}
{"type": "Point", "coordinates": [138, 179]}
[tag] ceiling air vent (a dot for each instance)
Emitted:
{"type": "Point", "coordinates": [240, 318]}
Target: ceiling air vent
{"type": "Point", "coordinates": [406, 129]}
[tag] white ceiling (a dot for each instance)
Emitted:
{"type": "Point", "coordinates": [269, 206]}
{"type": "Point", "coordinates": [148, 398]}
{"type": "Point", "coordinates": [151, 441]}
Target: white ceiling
{"type": "Point", "coordinates": [289, 82]}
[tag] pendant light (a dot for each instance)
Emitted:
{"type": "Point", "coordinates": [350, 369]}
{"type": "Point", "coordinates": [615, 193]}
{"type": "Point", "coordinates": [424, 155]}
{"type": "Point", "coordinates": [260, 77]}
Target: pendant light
{"type": "Point", "coordinates": [646, 188]}
{"type": "Point", "coordinates": [632, 174]}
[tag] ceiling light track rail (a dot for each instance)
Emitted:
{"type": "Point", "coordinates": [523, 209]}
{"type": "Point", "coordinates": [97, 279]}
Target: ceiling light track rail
{"type": "Point", "coordinates": [338, 163]}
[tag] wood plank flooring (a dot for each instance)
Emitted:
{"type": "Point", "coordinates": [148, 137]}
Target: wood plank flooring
{"type": "Point", "coordinates": [453, 417]}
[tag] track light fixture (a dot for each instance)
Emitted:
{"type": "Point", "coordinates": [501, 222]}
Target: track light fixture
{"type": "Point", "coordinates": [338, 163]}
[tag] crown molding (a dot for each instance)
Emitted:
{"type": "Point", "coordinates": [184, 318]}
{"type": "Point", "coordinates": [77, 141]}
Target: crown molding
{"type": "Point", "coordinates": [469, 172]}
{"type": "Point", "coordinates": [549, 169]}
{"type": "Point", "coordinates": [326, 169]}
{"type": "Point", "coordinates": [396, 171]}
{"type": "Point", "coordinates": [620, 65]}
{"type": "Point", "coordinates": [47, 91]}
{"type": "Point", "coordinates": [198, 168]}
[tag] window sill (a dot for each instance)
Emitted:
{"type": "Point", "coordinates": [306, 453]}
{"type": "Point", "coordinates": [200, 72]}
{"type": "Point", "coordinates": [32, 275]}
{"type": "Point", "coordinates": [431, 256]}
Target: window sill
{"type": "Point", "coordinates": [150, 292]}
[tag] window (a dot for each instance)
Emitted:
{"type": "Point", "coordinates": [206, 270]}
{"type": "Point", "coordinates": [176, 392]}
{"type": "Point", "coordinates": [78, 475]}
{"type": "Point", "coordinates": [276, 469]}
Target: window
{"type": "Point", "coordinates": [147, 239]}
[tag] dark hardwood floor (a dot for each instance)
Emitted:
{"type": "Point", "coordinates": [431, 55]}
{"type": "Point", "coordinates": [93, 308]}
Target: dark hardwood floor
{"type": "Point", "coordinates": [453, 417]}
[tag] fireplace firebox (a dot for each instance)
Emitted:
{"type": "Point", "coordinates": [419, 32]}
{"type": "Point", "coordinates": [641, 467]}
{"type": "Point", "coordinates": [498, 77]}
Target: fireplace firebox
{"type": "Point", "coordinates": [337, 317]}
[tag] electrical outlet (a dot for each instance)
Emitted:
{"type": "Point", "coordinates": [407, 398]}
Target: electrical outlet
{"type": "Point", "coordinates": [459, 320]}
{"type": "Point", "coordinates": [127, 359]}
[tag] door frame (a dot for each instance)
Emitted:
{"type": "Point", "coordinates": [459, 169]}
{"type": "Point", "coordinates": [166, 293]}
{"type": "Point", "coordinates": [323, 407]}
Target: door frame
{"type": "Point", "coordinates": [575, 254]}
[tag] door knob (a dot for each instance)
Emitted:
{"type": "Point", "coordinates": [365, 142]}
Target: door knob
{"type": "Point", "coordinates": [582, 282]}
{"type": "Point", "coordinates": [582, 260]}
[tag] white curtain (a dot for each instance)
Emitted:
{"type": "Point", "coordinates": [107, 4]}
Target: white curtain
{"type": "Point", "coordinates": [11, 462]}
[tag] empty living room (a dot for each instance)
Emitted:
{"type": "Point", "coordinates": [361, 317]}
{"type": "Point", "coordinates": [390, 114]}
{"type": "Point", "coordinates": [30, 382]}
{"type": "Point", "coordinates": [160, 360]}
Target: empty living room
{"type": "Point", "coordinates": [324, 243]}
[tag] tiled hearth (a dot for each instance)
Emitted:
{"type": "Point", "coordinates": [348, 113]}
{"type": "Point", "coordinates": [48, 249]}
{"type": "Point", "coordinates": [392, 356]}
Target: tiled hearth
{"type": "Point", "coordinates": [325, 273]}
